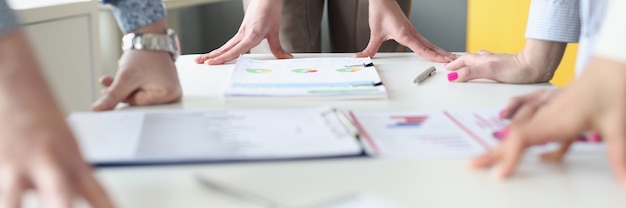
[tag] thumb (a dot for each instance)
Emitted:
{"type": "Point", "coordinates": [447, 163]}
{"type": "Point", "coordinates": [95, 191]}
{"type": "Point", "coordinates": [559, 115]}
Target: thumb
{"type": "Point", "coordinates": [372, 47]}
{"type": "Point", "coordinates": [274, 41]}
{"type": "Point", "coordinates": [154, 96]}
{"type": "Point", "coordinates": [117, 93]}
{"type": "Point", "coordinates": [106, 81]}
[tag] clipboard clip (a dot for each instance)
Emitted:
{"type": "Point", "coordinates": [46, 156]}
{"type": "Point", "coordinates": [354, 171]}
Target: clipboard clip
{"type": "Point", "coordinates": [360, 65]}
{"type": "Point", "coordinates": [334, 117]}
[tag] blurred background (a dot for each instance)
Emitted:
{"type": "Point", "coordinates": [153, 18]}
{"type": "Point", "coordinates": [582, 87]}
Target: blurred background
{"type": "Point", "coordinates": [85, 32]}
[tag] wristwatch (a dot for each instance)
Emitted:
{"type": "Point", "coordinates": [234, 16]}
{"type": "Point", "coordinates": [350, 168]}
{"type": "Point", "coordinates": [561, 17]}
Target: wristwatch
{"type": "Point", "coordinates": [154, 42]}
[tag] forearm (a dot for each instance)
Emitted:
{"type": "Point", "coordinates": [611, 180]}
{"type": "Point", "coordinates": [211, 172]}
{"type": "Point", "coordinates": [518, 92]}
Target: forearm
{"type": "Point", "coordinates": [259, 8]}
{"type": "Point", "coordinates": [23, 89]}
{"type": "Point", "coordinates": [8, 19]}
{"type": "Point", "coordinates": [139, 15]}
{"type": "Point", "coordinates": [541, 58]}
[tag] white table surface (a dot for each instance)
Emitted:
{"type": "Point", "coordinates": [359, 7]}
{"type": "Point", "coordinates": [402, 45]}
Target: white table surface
{"type": "Point", "coordinates": [582, 181]}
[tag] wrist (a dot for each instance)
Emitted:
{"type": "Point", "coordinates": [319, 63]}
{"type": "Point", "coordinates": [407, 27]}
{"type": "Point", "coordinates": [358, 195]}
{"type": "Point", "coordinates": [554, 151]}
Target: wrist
{"type": "Point", "coordinates": [151, 38]}
{"type": "Point", "coordinates": [157, 27]}
{"type": "Point", "coordinates": [540, 59]}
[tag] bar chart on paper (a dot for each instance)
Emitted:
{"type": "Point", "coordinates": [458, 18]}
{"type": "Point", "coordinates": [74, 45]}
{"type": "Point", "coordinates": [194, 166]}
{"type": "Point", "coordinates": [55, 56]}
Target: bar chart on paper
{"type": "Point", "coordinates": [416, 134]}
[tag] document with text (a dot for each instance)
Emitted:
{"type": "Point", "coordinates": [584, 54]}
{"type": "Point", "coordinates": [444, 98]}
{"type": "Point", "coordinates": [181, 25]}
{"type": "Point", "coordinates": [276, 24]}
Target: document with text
{"type": "Point", "coordinates": [170, 136]}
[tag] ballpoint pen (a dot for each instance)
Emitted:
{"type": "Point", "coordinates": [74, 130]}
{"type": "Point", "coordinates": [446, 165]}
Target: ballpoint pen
{"type": "Point", "coordinates": [430, 71]}
{"type": "Point", "coordinates": [238, 194]}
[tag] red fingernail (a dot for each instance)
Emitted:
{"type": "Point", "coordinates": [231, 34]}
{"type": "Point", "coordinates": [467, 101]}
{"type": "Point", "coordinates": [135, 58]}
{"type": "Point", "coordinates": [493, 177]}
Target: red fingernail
{"type": "Point", "coordinates": [500, 135]}
{"type": "Point", "coordinates": [595, 137]}
{"type": "Point", "coordinates": [452, 76]}
{"type": "Point", "coordinates": [502, 112]}
{"type": "Point", "coordinates": [505, 132]}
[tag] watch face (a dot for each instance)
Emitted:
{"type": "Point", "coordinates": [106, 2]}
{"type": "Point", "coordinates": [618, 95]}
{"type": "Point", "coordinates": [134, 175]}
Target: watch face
{"type": "Point", "coordinates": [138, 42]}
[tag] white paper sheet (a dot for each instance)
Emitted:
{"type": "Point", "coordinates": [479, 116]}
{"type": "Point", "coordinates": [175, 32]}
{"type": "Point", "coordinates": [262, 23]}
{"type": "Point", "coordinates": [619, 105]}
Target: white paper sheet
{"type": "Point", "coordinates": [305, 77]}
{"type": "Point", "coordinates": [419, 134]}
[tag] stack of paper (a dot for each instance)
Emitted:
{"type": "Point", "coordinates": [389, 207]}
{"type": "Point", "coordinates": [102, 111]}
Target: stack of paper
{"type": "Point", "coordinates": [319, 78]}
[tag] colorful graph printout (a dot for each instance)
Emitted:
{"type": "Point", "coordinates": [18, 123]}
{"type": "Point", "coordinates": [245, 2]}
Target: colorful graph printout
{"type": "Point", "coordinates": [407, 121]}
{"type": "Point", "coordinates": [304, 70]}
{"type": "Point", "coordinates": [349, 70]}
{"type": "Point", "coordinates": [326, 78]}
{"type": "Point", "coordinates": [259, 71]}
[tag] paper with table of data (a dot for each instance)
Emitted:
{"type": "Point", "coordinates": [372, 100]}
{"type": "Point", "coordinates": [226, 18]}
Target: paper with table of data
{"type": "Point", "coordinates": [171, 136]}
{"type": "Point", "coordinates": [319, 78]}
{"type": "Point", "coordinates": [460, 133]}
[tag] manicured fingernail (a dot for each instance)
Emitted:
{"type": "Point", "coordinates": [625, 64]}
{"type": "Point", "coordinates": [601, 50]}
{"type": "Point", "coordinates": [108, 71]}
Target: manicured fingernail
{"type": "Point", "coordinates": [452, 76]}
{"type": "Point", "coordinates": [500, 135]}
{"type": "Point", "coordinates": [502, 112]}
{"type": "Point", "coordinates": [505, 132]}
{"type": "Point", "coordinates": [595, 137]}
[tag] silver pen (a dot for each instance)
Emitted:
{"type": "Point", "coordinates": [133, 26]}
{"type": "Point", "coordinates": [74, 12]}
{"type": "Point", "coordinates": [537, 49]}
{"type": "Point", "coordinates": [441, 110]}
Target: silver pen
{"type": "Point", "coordinates": [238, 194]}
{"type": "Point", "coordinates": [430, 71]}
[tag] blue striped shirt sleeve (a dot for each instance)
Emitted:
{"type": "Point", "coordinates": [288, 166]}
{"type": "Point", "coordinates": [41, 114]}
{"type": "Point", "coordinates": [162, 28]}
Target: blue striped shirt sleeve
{"type": "Point", "coordinates": [611, 41]}
{"type": "Point", "coordinates": [8, 19]}
{"type": "Point", "coordinates": [554, 20]}
{"type": "Point", "coordinates": [133, 14]}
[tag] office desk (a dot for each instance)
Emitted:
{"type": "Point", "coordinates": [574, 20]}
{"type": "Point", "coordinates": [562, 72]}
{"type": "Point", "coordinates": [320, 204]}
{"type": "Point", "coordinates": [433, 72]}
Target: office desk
{"type": "Point", "coordinates": [583, 181]}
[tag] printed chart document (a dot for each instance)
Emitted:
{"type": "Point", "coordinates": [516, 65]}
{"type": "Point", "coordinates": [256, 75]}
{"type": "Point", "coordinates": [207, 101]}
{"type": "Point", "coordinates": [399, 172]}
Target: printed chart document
{"type": "Point", "coordinates": [145, 137]}
{"type": "Point", "coordinates": [319, 78]}
{"type": "Point", "coordinates": [428, 134]}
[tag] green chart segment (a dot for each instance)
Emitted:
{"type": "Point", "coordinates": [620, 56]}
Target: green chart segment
{"type": "Point", "coordinates": [349, 70]}
{"type": "Point", "coordinates": [259, 71]}
{"type": "Point", "coordinates": [304, 71]}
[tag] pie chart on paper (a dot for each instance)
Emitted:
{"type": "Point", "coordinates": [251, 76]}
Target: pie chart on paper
{"type": "Point", "coordinates": [259, 71]}
{"type": "Point", "coordinates": [349, 69]}
{"type": "Point", "coordinates": [304, 71]}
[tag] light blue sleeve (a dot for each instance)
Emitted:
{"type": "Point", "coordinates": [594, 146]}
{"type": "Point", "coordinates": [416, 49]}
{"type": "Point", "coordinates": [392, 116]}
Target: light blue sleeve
{"type": "Point", "coordinates": [133, 14]}
{"type": "Point", "coordinates": [8, 19]}
{"type": "Point", "coordinates": [554, 20]}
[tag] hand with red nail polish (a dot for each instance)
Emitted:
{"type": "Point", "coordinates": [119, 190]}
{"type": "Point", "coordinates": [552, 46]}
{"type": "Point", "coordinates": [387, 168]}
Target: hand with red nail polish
{"type": "Point", "coordinates": [535, 100]}
{"type": "Point", "coordinates": [594, 103]}
{"type": "Point", "coordinates": [534, 64]}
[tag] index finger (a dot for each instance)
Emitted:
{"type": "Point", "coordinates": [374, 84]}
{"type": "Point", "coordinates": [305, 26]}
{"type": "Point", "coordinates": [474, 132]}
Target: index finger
{"type": "Point", "coordinates": [241, 48]}
{"type": "Point", "coordinates": [92, 191]}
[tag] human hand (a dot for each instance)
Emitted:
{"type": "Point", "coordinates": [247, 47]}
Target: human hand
{"type": "Point", "coordinates": [143, 78]}
{"type": "Point", "coordinates": [387, 22]}
{"type": "Point", "coordinates": [593, 103]}
{"type": "Point", "coordinates": [262, 21]}
{"type": "Point", "coordinates": [535, 63]}
{"type": "Point", "coordinates": [37, 149]}
{"type": "Point", "coordinates": [532, 100]}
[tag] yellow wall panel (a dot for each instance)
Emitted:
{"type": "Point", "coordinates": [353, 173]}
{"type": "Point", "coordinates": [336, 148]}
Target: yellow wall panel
{"type": "Point", "coordinates": [498, 26]}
